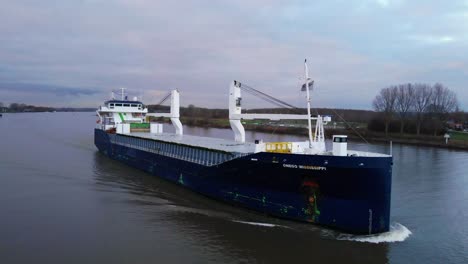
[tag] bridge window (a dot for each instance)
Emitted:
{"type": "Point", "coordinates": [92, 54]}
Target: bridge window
{"type": "Point", "coordinates": [340, 139]}
{"type": "Point", "coordinates": [126, 105]}
{"type": "Point", "coordinates": [118, 104]}
{"type": "Point", "coordinates": [238, 101]}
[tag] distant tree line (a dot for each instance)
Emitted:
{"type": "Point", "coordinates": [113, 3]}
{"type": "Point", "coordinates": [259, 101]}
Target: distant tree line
{"type": "Point", "coordinates": [413, 108]}
{"type": "Point", "coordinates": [194, 112]}
{"type": "Point", "coordinates": [19, 108]}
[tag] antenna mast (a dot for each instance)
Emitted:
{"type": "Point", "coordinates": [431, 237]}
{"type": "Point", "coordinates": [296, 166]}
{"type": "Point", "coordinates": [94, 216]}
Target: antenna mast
{"type": "Point", "coordinates": [306, 69]}
{"type": "Point", "coordinates": [123, 93]}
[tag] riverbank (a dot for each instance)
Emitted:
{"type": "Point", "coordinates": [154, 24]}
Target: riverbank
{"type": "Point", "coordinates": [458, 139]}
{"type": "Point", "coordinates": [432, 141]}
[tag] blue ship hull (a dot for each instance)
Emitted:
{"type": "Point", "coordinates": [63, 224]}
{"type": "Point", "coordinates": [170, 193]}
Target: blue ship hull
{"type": "Point", "coordinates": [351, 194]}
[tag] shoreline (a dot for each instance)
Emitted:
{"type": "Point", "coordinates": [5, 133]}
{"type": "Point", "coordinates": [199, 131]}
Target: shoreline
{"type": "Point", "coordinates": [370, 136]}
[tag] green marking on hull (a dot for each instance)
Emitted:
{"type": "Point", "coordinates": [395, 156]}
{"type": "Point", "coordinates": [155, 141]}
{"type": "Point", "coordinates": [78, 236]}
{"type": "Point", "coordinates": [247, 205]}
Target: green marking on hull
{"type": "Point", "coordinates": [139, 125]}
{"type": "Point", "coordinates": [317, 212]}
{"type": "Point", "coordinates": [121, 117]}
{"type": "Point", "coordinates": [284, 210]}
{"type": "Point", "coordinates": [181, 179]}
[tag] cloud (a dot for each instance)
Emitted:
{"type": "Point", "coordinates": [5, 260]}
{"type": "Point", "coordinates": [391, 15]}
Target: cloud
{"type": "Point", "coordinates": [354, 49]}
{"type": "Point", "coordinates": [433, 39]}
{"type": "Point", "coordinates": [383, 3]}
{"type": "Point", "coordinates": [46, 89]}
{"type": "Point", "coordinates": [49, 95]}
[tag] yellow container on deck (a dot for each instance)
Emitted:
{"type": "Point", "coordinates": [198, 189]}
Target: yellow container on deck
{"type": "Point", "coordinates": [278, 147]}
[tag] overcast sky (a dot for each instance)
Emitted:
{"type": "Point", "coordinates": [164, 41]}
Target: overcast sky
{"type": "Point", "coordinates": [74, 52]}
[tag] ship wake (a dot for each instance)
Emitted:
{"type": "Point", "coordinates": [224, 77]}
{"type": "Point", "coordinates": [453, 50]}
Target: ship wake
{"type": "Point", "coordinates": [397, 233]}
{"type": "Point", "coordinates": [257, 223]}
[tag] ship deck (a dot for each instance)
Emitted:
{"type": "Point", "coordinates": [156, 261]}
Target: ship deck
{"type": "Point", "coordinates": [198, 141]}
{"type": "Point", "coordinates": [226, 145]}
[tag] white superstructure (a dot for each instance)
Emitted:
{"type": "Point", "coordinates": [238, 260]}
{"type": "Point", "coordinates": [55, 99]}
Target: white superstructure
{"type": "Point", "coordinates": [130, 117]}
{"type": "Point", "coordinates": [123, 115]}
{"type": "Point", "coordinates": [174, 115]}
{"type": "Point", "coordinates": [316, 142]}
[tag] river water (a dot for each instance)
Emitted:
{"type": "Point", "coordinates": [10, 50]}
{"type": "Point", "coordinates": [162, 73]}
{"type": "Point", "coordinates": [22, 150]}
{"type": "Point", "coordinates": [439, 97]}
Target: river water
{"type": "Point", "coordinates": [61, 201]}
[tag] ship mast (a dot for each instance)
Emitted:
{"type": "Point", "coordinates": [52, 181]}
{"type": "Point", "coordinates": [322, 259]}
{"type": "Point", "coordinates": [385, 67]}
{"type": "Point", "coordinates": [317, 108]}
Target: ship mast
{"type": "Point", "coordinates": [122, 93]}
{"type": "Point", "coordinates": [306, 69]}
{"type": "Point", "coordinates": [316, 141]}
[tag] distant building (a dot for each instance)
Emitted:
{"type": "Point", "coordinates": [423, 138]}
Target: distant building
{"type": "Point", "coordinates": [455, 125]}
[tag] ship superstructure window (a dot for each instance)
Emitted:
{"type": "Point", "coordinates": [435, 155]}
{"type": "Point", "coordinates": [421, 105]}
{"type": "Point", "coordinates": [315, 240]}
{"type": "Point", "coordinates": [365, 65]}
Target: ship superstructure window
{"type": "Point", "coordinates": [238, 101]}
{"type": "Point", "coordinates": [126, 105]}
{"type": "Point", "coordinates": [118, 104]}
{"type": "Point", "coordinates": [340, 139]}
{"type": "Point", "coordinates": [134, 105]}
{"type": "Point", "coordinates": [111, 106]}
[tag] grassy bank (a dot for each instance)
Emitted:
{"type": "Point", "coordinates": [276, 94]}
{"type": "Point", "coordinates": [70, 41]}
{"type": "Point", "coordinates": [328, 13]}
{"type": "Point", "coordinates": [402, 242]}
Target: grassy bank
{"type": "Point", "coordinates": [457, 135]}
{"type": "Point", "coordinates": [458, 140]}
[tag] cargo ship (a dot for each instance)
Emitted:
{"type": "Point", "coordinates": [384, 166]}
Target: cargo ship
{"type": "Point", "coordinates": [339, 188]}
